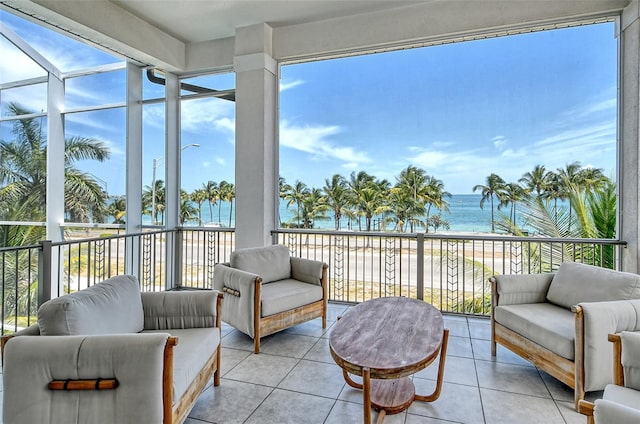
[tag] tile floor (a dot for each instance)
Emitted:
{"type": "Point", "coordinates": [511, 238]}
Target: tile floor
{"type": "Point", "coordinates": [295, 380]}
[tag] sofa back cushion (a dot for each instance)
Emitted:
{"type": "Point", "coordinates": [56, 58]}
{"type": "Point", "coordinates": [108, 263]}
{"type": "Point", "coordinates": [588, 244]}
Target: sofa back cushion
{"type": "Point", "coordinates": [575, 283]}
{"type": "Point", "coordinates": [271, 263]}
{"type": "Point", "coordinates": [112, 306]}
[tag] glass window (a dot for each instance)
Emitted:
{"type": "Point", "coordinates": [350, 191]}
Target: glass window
{"type": "Point", "coordinates": [458, 112]}
{"type": "Point", "coordinates": [23, 100]}
{"type": "Point", "coordinates": [208, 159]}
{"type": "Point", "coordinates": [96, 168]}
{"type": "Point", "coordinates": [95, 89]}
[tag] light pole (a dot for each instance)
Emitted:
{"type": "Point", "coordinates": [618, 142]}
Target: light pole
{"type": "Point", "coordinates": [153, 182]}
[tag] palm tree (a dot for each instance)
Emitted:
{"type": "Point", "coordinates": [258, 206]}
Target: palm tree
{"type": "Point", "coordinates": [357, 182]}
{"type": "Point", "coordinates": [199, 196]}
{"type": "Point", "coordinates": [212, 191]}
{"type": "Point", "coordinates": [537, 180]}
{"type": "Point", "coordinates": [371, 201]}
{"type": "Point", "coordinates": [403, 207]}
{"type": "Point", "coordinates": [296, 194]}
{"type": "Point", "coordinates": [336, 196]}
{"type": "Point", "coordinates": [492, 187]}
{"type": "Point", "coordinates": [118, 209]}
{"type": "Point", "coordinates": [23, 171]}
{"type": "Point", "coordinates": [511, 194]}
{"type": "Point", "coordinates": [187, 210]}
{"type": "Point", "coordinates": [227, 194]}
{"type": "Point", "coordinates": [413, 181]}
{"type": "Point", "coordinates": [435, 196]}
{"type": "Point", "coordinates": [147, 201]}
{"type": "Point", "coordinates": [283, 188]}
{"type": "Point", "coordinates": [313, 208]}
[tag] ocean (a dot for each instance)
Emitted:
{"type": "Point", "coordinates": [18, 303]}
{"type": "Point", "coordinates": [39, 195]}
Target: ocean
{"type": "Point", "coordinates": [464, 215]}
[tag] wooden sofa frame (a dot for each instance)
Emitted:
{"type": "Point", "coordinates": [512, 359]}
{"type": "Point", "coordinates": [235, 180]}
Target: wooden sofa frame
{"type": "Point", "coordinates": [171, 414]}
{"type": "Point", "coordinates": [569, 372]}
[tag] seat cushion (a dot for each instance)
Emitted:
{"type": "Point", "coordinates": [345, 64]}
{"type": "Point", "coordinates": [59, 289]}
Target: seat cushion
{"type": "Point", "coordinates": [271, 263]}
{"type": "Point", "coordinates": [548, 325]}
{"type": "Point", "coordinates": [284, 295]}
{"type": "Point", "coordinates": [110, 307]}
{"type": "Point", "coordinates": [195, 346]}
{"type": "Point", "coordinates": [575, 283]}
{"type": "Point", "coordinates": [622, 395]}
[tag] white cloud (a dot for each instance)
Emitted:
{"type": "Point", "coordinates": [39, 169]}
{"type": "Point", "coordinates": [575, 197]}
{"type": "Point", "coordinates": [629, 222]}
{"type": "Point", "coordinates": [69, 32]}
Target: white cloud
{"type": "Point", "coordinates": [499, 142]}
{"type": "Point", "coordinates": [315, 140]}
{"type": "Point", "coordinates": [200, 114]}
{"type": "Point", "coordinates": [286, 85]}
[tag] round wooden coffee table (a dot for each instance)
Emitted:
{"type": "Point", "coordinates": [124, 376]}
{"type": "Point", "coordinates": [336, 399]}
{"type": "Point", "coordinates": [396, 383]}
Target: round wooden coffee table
{"type": "Point", "coordinates": [386, 340]}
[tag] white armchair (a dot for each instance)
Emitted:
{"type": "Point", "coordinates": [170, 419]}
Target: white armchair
{"type": "Point", "coordinates": [268, 291]}
{"type": "Point", "coordinates": [620, 403]}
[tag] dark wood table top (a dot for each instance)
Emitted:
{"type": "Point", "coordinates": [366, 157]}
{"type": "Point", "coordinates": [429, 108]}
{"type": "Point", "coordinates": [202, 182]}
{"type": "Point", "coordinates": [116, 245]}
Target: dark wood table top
{"type": "Point", "coordinates": [394, 337]}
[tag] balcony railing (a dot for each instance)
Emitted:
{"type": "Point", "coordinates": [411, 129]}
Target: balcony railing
{"type": "Point", "coordinates": [449, 271]}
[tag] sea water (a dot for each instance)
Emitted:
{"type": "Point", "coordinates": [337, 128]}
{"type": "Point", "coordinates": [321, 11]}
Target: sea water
{"type": "Point", "coordinates": [464, 215]}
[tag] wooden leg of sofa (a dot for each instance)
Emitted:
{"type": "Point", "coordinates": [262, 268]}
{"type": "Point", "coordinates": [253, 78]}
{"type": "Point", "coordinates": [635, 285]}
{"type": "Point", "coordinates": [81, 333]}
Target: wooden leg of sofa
{"type": "Point", "coordinates": [216, 373]}
{"type": "Point", "coordinates": [256, 344]}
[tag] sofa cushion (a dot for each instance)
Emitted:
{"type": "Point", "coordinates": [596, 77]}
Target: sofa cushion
{"type": "Point", "coordinates": [622, 395]}
{"type": "Point", "coordinates": [271, 263]}
{"type": "Point", "coordinates": [112, 306]}
{"type": "Point", "coordinates": [548, 325]}
{"type": "Point", "coordinates": [195, 347]}
{"type": "Point", "coordinates": [575, 283]}
{"type": "Point", "coordinates": [288, 294]}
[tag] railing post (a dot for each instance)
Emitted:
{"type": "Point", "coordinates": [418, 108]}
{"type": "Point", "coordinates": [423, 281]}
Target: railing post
{"type": "Point", "coordinates": [44, 272]}
{"type": "Point", "coordinates": [420, 266]}
{"type": "Point", "coordinates": [174, 267]}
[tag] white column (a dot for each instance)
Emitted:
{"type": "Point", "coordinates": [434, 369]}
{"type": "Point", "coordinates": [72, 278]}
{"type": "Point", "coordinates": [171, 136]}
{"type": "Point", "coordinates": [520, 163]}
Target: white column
{"type": "Point", "coordinates": [55, 178]}
{"type": "Point", "coordinates": [133, 159]}
{"type": "Point", "coordinates": [256, 136]}
{"type": "Point", "coordinates": [55, 159]}
{"type": "Point", "coordinates": [172, 184]}
{"type": "Point", "coordinates": [172, 152]}
{"type": "Point", "coordinates": [629, 164]}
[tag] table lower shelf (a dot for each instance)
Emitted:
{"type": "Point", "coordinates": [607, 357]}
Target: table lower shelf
{"type": "Point", "coordinates": [392, 396]}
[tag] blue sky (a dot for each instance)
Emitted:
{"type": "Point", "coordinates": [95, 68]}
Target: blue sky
{"type": "Point", "coordinates": [460, 111]}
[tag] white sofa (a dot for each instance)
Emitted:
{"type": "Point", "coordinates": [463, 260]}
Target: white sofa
{"type": "Point", "coordinates": [560, 321]}
{"type": "Point", "coordinates": [111, 354]}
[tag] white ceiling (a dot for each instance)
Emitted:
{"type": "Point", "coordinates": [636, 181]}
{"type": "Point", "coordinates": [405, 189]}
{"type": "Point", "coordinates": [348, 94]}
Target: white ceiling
{"type": "Point", "coordinates": [194, 21]}
{"type": "Point", "coordinates": [195, 36]}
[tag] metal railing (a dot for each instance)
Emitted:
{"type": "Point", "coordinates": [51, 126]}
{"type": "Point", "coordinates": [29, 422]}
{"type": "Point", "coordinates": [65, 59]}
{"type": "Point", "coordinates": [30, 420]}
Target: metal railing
{"type": "Point", "coordinates": [449, 271]}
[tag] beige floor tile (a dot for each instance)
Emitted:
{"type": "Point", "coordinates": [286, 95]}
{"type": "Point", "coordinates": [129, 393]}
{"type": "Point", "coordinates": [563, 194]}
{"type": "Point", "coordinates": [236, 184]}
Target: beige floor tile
{"type": "Point", "coordinates": [315, 378]}
{"type": "Point", "coordinates": [456, 370]}
{"type": "Point", "coordinates": [459, 346]}
{"type": "Point", "coordinates": [457, 327]}
{"type": "Point", "coordinates": [265, 369]}
{"type": "Point", "coordinates": [230, 402]}
{"type": "Point", "coordinates": [511, 378]}
{"type": "Point", "coordinates": [311, 328]}
{"type": "Point", "coordinates": [456, 403]}
{"type": "Point", "coordinates": [320, 352]}
{"type": "Point", "coordinates": [229, 358]}
{"type": "Point", "coordinates": [480, 330]}
{"type": "Point", "coordinates": [237, 340]}
{"type": "Point", "coordinates": [285, 407]}
{"type": "Point", "coordinates": [508, 408]}
{"type": "Point", "coordinates": [287, 344]}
